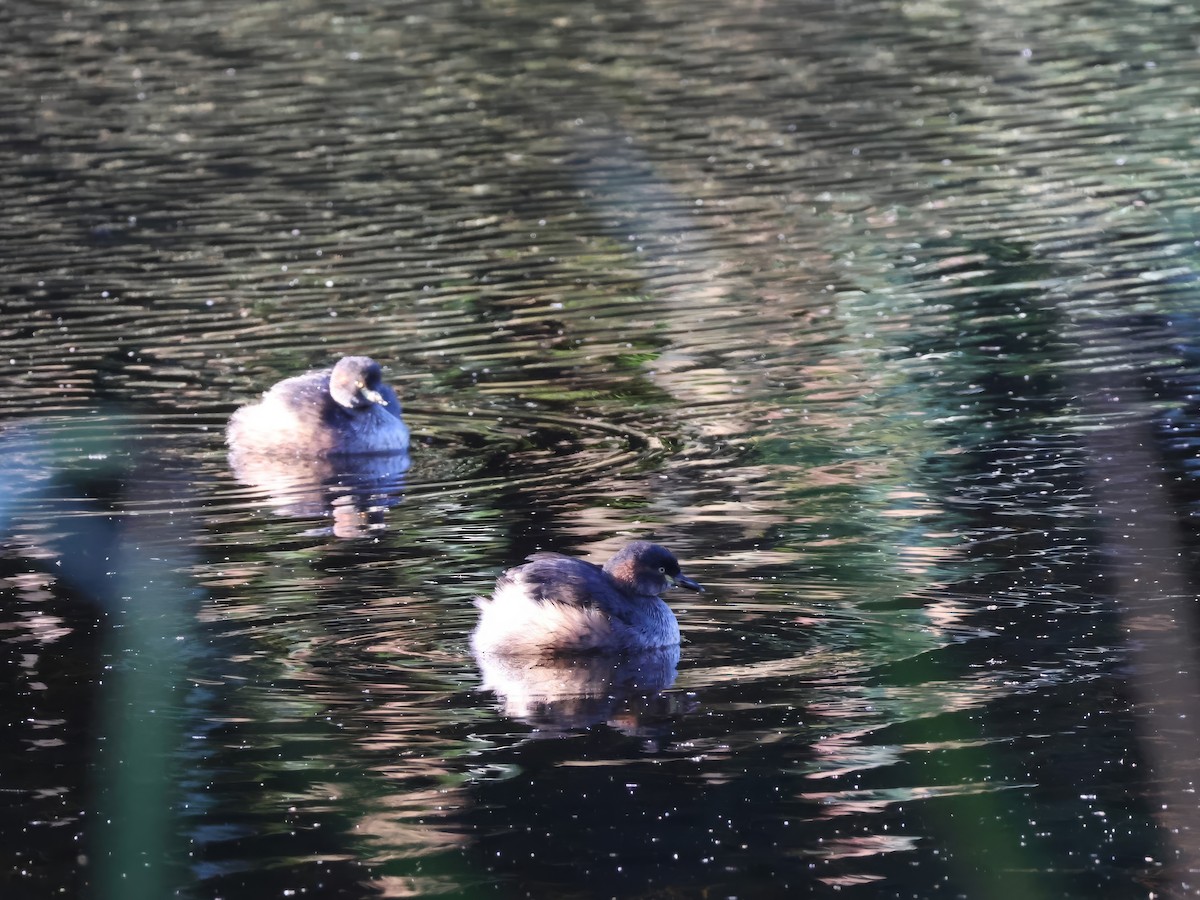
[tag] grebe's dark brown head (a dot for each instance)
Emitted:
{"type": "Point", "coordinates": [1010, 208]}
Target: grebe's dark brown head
{"type": "Point", "coordinates": [647, 569]}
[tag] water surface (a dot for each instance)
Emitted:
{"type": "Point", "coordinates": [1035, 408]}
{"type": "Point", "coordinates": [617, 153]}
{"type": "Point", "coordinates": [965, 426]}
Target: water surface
{"type": "Point", "coordinates": [881, 315]}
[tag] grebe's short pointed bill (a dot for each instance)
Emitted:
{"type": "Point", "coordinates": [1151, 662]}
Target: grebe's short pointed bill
{"type": "Point", "coordinates": [682, 580]}
{"type": "Point", "coordinates": [374, 396]}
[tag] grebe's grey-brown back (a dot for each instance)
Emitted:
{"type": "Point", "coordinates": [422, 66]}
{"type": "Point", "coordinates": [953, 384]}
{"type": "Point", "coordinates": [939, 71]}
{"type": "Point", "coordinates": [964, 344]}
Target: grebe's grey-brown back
{"type": "Point", "coordinates": [557, 604]}
{"type": "Point", "coordinates": [346, 409]}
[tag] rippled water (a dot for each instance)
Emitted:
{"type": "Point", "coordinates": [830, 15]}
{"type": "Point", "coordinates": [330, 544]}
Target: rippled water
{"type": "Point", "coordinates": [881, 315]}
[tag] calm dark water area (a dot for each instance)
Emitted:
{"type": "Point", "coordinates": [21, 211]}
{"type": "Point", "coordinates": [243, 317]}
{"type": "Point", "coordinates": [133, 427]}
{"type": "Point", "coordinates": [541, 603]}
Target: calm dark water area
{"type": "Point", "coordinates": [884, 316]}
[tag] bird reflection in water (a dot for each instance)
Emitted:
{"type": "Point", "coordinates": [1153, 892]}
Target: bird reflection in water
{"type": "Point", "coordinates": [353, 492]}
{"type": "Point", "coordinates": [557, 694]}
